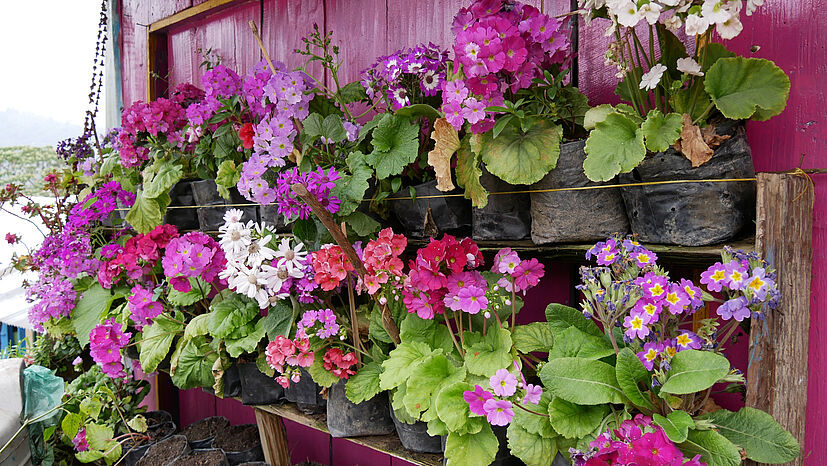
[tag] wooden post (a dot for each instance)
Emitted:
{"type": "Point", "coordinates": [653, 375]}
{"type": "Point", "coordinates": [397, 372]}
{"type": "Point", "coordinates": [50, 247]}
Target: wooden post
{"type": "Point", "coordinates": [273, 438]}
{"type": "Point", "coordinates": [778, 346]}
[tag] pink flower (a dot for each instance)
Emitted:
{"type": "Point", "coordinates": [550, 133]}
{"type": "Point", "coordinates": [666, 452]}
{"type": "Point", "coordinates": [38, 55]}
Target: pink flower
{"type": "Point", "coordinates": [644, 257]}
{"type": "Point", "coordinates": [532, 394]}
{"type": "Point", "coordinates": [676, 299]}
{"type": "Point", "coordinates": [654, 286]}
{"type": "Point", "coordinates": [472, 299]}
{"type": "Point", "coordinates": [277, 352]}
{"type": "Point", "coordinates": [79, 441]}
{"type": "Point", "coordinates": [650, 309]}
{"type": "Point", "coordinates": [608, 257]}
{"type": "Point", "coordinates": [506, 261]}
{"type": "Point", "coordinates": [498, 412]}
{"type": "Point", "coordinates": [476, 399]}
{"type": "Point", "coordinates": [515, 52]}
{"type": "Point", "coordinates": [714, 277]}
{"type": "Point", "coordinates": [528, 274]}
{"type": "Point", "coordinates": [635, 324]}
{"type": "Point", "coordinates": [11, 238]}
{"type": "Point", "coordinates": [692, 292]}
{"type": "Point", "coordinates": [503, 383]}
{"type": "Point", "coordinates": [736, 276]}
{"type": "Point", "coordinates": [650, 353]}
{"type": "Point", "coordinates": [473, 110]}
{"type": "Point", "coordinates": [455, 91]}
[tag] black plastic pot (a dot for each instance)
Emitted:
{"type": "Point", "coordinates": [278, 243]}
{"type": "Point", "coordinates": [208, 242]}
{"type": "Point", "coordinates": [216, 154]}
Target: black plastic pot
{"type": "Point", "coordinates": [450, 214]}
{"type": "Point", "coordinates": [249, 435]}
{"type": "Point", "coordinates": [219, 422]}
{"type": "Point", "coordinates": [211, 218]}
{"type": "Point", "coordinates": [575, 216]}
{"type": "Point", "coordinates": [269, 214]}
{"type": "Point", "coordinates": [211, 456]}
{"type": "Point", "coordinates": [159, 427]}
{"type": "Point", "coordinates": [307, 395]}
{"type": "Point", "coordinates": [232, 382]}
{"type": "Point", "coordinates": [693, 214]}
{"type": "Point", "coordinates": [347, 419]}
{"type": "Point", "coordinates": [506, 216]}
{"type": "Point", "coordinates": [156, 418]}
{"type": "Point", "coordinates": [176, 445]}
{"type": "Point", "coordinates": [181, 195]}
{"type": "Point", "coordinates": [258, 388]}
{"type": "Point", "coordinates": [414, 437]}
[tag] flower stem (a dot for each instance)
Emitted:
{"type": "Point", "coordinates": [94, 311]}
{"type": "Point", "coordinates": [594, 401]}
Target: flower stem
{"type": "Point", "coordinates": [528, 410]}
{"type": "Point", "coordinates": [453, 337]}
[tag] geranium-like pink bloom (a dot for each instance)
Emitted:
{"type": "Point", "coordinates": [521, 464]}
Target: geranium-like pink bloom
{"type": "Point", "coordinates": [277, 352]}
{"type": "Point", "coordinates": [472, 299]}
{"type": "Point", "coordinates": [142, 308]}
{"type": "Point", "coordinates": [79, 441]}
{"type": "Point", "coordinates": [476, 399]}
{"type": "Point", "coordinates": [105, 343]}
{"type": "Point", "coordinates": [503, 383]}
{"type": "Point", "coordinates": [528, 274]}
{"type": "Point", "coordinates": [714, 277]}
{"type": "Point", "coordinates": [532, 394]}
{"type": "Point", "coordinates": [498, 412]}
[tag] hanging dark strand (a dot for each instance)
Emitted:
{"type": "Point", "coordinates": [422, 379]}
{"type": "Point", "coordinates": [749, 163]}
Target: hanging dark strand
{"type": "Point", "coordinates": [98, 64]}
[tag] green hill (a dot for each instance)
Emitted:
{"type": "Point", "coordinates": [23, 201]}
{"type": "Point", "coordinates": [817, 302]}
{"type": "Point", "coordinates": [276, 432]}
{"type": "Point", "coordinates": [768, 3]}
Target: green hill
{"type": "Point", "coordinates": [27, 165]}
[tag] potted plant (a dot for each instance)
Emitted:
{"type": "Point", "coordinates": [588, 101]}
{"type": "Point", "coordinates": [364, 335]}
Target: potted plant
{"type": "Point", "coordinates": [687, 112]}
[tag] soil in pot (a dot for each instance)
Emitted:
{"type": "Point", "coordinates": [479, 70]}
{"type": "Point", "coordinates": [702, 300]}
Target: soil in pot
{"type": "Point", "coordinates": [414, 437]}
{"type": "Point", "coordinates": [181, 195]}
{"type": "Point", "coordinates": [201, 434]}
{"type": "Point", "coordinates": [156, 418]}
{"type": "Point", "coordinates": [165, 451]}
{"type": "Point", "coordinates": [241, 443]}
{"type": "Point", "coordinates": [506, 216]}
{"type": "Point", "coordinates": [258, 388]}
{"type": "Point", "coordinates": [347, 419]}
{"type": "Point", "coordinates": [450, 215]}
{"type": "Point", "coordinates": [307, 394]}
{"type": "Point", "coordinates": [211, 218]}
{"type": "Point", "coordinates": [693, 214]}
{"type": "Point", "coordinates": [161, 431]}
{"type": "Point", "coordinates": [575, 216]}
{"type": "Point", "coordinates": [211, 457]}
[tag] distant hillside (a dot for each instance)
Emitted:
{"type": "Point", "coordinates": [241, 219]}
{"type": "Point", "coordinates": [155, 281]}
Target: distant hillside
{"type": "Point", "coordinates": [27, 129]}
{"type": "Point", "coordinates": [27, 165]}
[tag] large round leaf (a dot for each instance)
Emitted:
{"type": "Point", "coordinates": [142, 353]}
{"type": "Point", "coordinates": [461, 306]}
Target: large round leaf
{"type": "Point", "coordinates": [454, 411]}
{"type": "Point", "coordinates": [581, 381]}
{"type": "Point", "coordinates": [533, 449]}
{"type": "Point", "coordinates": [471, 449]}
{"type": "Point", "coordinates": [747, 88]}
{"type": "Point", "coordinates": [693, 371]}
{"type": "Point", "coordinates": [714, 448]}
{"type": "Point", "coordinates": [522, 158]}
{"type": "Point", "coordinates": [630, 372]}
{"type": "Point", "coordinates": [761, 436]}
{"type": "Point", "coordinates": [614, 146]}
{"type": "Point", "coordinates": [661, 131]}
{"type": "Point", "coordinates": [573, 420]}
{"type": "Point", "coordinates": [540, 425]}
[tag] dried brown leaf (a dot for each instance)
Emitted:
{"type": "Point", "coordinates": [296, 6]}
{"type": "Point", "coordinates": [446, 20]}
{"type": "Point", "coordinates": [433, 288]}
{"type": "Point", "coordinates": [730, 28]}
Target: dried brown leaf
{"type": "Point", "coordinates": [446, 143]}
{"type": "Point", "coordinates": [713, 139]}
{"type": "Point", "coordinates": [692, 144]}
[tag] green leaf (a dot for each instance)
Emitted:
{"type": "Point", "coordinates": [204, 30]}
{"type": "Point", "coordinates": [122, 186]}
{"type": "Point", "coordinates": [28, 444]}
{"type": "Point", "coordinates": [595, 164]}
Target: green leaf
{"type": "Point", "coordinates": [468, 175]}
{"type": "Point", "coordinates": [595, 115]}
{"type": "Point", "coordinates": [279, 319]}
{"type": "Point", "coordinates": [573, 420]}
{"type": "Point", "coordinates": [471, 449]}
{"type": "Point", "coordinates": [322, 105]}
{"type": "Point", "coordinates": [305, 230]}
{"type": "Point", "coordinates": [715, 449]}
{"type": "Point", "coordinates": [365, 384]}
{"type": "Point", "coordinates": [533, 449]}
{"type": "Point", "coordinates": [434, 373]}
{"type": "Point", "coordinates": [195, 363]}
{"type": "Point", "coordinates": [761, 436]}
{"type": "Point", "coordinates": [227, 177]}
{"type": "Point", "coordinates": [156, 341]}
{"type": "Point", "coordinates": [320, 375]}
{"type": "Point", "coordinates": [137, 423]}
{"type": "Point", "coordinates": [199, 289]}
{"type": "Point", "coordinates": [428, 331]}
{"type": "Point", "coordinates": [671, 48]}
{"type": "Point", "coordinates": [573, 342]}
{"type": "Point", "coordinates": [89, 456]}
{"type": "Point", "coordinates": [147, 213]}
{"type": "Point", "coordinates": [350, 189]}
{"type": "Point", "coordinates": [88, 311]}
{"type": "Point", "coordinates": [661, 131]}
{"type": "Point", "coordinates": [197, 326]}
{"type": "Point", "coordinates": [351, 92]}
{"type": "Point", "coordinates": [630, 372]}
{"type": "Point", "coordinates": [230, 314]}
{"type": "Point", "coordinates": [246, 343]}
{"type": "Point", "coordinates": [418, 110]}
{"type": "Point", "coordinates": [263, 366]}
{"type": "Point", "coordinates": [561, 317]}
{"type": "Point", "coordinates": [454, 411]}
{"type": "Point", "coordinates": [168, 174]}
{"type": "Point", "coordinates": [744, 88]}
{"type": "Point", "coordinates": [402, 362]}
{"type": "Point", "coordinates": [98, 436]}
{"type": "Point", "coordinates": [522, 158]}
{"type": "Point", "coordinates": [581, 381]}
{"type": "Point", "coordinates": [693, 371]}
{"type": "Point", "coordinates": [540, 425]}
{"type": "Point", "coordinates": [614, 146]}
{"type": "Point", "coordinates": [362, 224]}
{"type": "Point", "coordinates": [395, 146]}
{"type": "Point", "coordinates": [91, 407]}
{"type": "Point", "coordinates": [491, 353]}
{"type": "Point", "coordinates": [676, 425]}
{"type": "Point", "coordinates": [71, 424]}
{"type": "Point", "coordinates": [332, 129]}
{"type": "Point", "coordinates": [535, 336]}
{"type": "Point", "coordinates": [312, 125]}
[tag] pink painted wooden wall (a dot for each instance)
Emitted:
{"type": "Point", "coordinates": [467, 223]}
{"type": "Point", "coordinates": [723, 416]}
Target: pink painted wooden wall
{"type": "Point", "coordinates": [793, 33]}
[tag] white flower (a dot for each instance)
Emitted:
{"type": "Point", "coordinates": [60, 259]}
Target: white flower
{"type": "Point", "coordinates": [651, 79]}
{"type": "Point", "coordinates": [695, 25]}
{"type": "Point", "coordinates": [713, 11]}
{"type": "Point", "coordinates": [233, 216]}
{"type": "Point", "coordinates": [291, 258]}
{"type": "Point", "coordinates": [248, 281]}
{"type": "Point", "coordinates": [730, 28]}
{"type": "Point", "coordinates": [627, 13]}
{"type": "Point", "coordinates": [689, 66]}
{"type": "Point", "coordinates": [670, 2]}
{"type": "Point", "coordinates": [230, 271]}
{"type": "Point", "coordinates": [753, 5]}
{"type": "Point", "coordinates": [673, 23]}
{"type": "Point", "coordinates": [651, 12]}
{"type": "Point", "coordinates": [275, 277]}
{"type": "Point", "coordinates": [258, 252]}
{"type": "Point", "coordinates": [235, 239]}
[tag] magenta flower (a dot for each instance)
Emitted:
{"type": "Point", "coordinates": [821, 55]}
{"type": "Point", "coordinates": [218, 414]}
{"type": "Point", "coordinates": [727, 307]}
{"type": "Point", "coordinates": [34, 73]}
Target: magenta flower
{"type": "Point", "coordinates": [676, 299]}
{"type": "Point", "coordinates": [650, 353]}
{"type": "Point", "coordinates": [654, 286]}
{"type": "Point", "coordinates": [142, 307]}
{"type": "Point", "coordinates": [532, 394]}
{"type": "Point", "coordinates": [454, 114]}
{"type": "Point", "coordinates": [455, 91]}
{"type": "Point", "coordinates": [687, 340]}
{"type": "Point", "coordinates": [498, 412]}
{"type": "Point", "coordinates": [714, 277]}
{"type": "Point", "coordinates": [648, 308]}
{"type": "Point", "coordinates": [472, 299]}
{"type": "Point", "coordinates": [79, 441]}
{"type": "Point", "coordinates": [105, 343]}
{"type": "Point", "coordinates": [503, 383]}
{"type": "Point", "coordinates": [608, 257]}
{"type": "Point", "coordinates": [635, 324]}
{"type": "Point", "coordinates": [692, 292]}
{"type": "Point", "coordinates": [506, 261]}
{"type": "Point", "coordinates": [736, 276]}
{"type": "Point", "coordinates": [644, 257]}
{"type": "Point", "coordinates": [473, 110]}
{"type": "Point", "coordinates": [476, 399]}
{"type": "Point", "coordinates": [736, 308]}
{"type": "Point", "coordinates": [528, 274]}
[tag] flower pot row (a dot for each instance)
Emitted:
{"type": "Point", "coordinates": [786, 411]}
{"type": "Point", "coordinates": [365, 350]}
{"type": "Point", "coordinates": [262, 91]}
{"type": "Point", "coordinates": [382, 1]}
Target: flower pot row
{"type": "Point", "coordinates": [208, 441]}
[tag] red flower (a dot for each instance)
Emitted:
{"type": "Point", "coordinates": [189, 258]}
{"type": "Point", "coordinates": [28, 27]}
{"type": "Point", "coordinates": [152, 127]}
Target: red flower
{"type": "Point", "coordinates": [246, 134]}
{"type": "Point", "coordinates": [11, 238]}
{"type": "Point", "coordinates": [338, 363]}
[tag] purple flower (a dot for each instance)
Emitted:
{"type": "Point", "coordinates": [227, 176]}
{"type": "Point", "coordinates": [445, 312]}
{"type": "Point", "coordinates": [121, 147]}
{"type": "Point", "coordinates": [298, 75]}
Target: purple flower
{"type": "Point", "coordinates": [79, 441]}
{"type": "Point", "coordinates": [687, 340]}
{"type": "Point", "coordinates": [498, 412]}
{"type": "Point", "coordinates": [644, 257]}
{"type": "Point", "coordinates": [714, 277]}
{"type": "Point", "coordinates": [676, 299]}
{"type": "Point", "coordinates": [736, 308]}
{"type": "Point", "coordinates": [692, 292]}
{"type": "Point", "coordinates": [78, 360]}
{"type": "Point", "coordinates": [736, 275]}
{"type": "Point", "coordinates": [142, 308]}
{"type": "Point", "coordinates": [105, 343]}
{"type": "Point", "coordinates": [506, 261]}
{"type": "Point", "coordinates": [454, 114]}
{"type": "Point", "coordinates": [650, 353]}
{"type": "Point", "coordinates": [503, 383]}
{"type": "Point", "coordinates": [476, 399]}
{"type": "Point", "coordinates": [759, 283]}
{"type": "Point", "coordinates": [635, 324]}
{"type": "Point", "coordinates": [532, 394]}
{"type": "Point", "coordinates": [473, 110]}
{"type": "Point", "coordinates": [472, 299]}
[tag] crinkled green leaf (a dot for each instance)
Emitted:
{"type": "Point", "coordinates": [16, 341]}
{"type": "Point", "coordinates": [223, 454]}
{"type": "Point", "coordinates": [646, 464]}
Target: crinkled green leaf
{"type": "Point", "coordinates": [581, 381]}
{"type": "Point", "coordinates": [351, 92]}
{"type": "Point", "coordinates": [468, 175]}
{"type": "Point", "coordinates": [71, 424]}
{"type": "Point", "coordinates": [156, 340]}
{"type": "Point", "coordinates": [351, 188]}
{"type": "Point", "coordinates": [693, 371]}
{"type": "Point", "coordinates": [197, 326]}
{"type": "Point", "coordinates": [614, 146]}
{"type": "Point", "coordinates": [137, 423]}
{"type": "Point", "coordinates": [248, 342]}
{"type": "Point", "coordinates": [661, 131]}
{"type": "Point", "coordinates": [365, 384]}
{"type": "Point", "coordinates": [167, 175]}
{"type": "Point", "coordinates": [320, 375]}
{"type": "Point", "coordinates": [471, 449]}
{"type": "Point", "coordinates": [195, 364]}
{"type": "Point", "coordinates": [714, 448]}
{"type": "Point", "coordinates": [279, 319]}
{"type": "Point", "coordinates": [227, 177]}
{"type": "Point", "coordinates": [522, 158]}
{"type": "Point", "coordinates": [630, 373]}
{"type": "Point", "coordinates": [434, 373]}
{"type": "Point", "coordinates": [533, 449]}
{"type": "Point", "coordinates": [574, 421]}
{"type": "Point", "coordinates": [199, 289]}
{"type": "Point", "coordinates": [744, 88]}
{"type": "Point", "coordinates": [362, 224]}
{"type": "Point", "coordinates": [333, 129]}
{"type": "Point", "coordinates": [491, 353]}
{"type": "Point", "coordinates": [676, 425]}
{"type": "Point", "coordinates": [560, 317]}
{"type": "Point", "coordinates": [540, 425]}
{"type": "Point", "coordinates": [573, 342]}
{"type": "Point", "coordinates": [91, 406]}
{"type": "Point", "coordinates": [418, 110]}
{"type": "Point", "coordinates": [403, 361]}
{"type": "Point", "coordinates": [147, 213]}
{"type": "Point", "coordinates": [98, 436]}
{"type": "Point", "coordinates": [230, 314]}
{"type": "Point", "coordinates": [395, 146]}
{"type": "Point", "coordinates": [761, 436]}
{"type": "Point", "coordinates": [535, 336]}
{"type": "Point", "coordinates": [595, 115]}
{"type": "Point", "coordinates": [454, 411]}
{"type": "Point", "coordinates": [428, 331]}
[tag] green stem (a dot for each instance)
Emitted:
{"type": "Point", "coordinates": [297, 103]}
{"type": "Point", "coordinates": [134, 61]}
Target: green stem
{"type": "Point", "coordinates": [28, 422]}
{"type": "Point", "coordinates": [453, 338]}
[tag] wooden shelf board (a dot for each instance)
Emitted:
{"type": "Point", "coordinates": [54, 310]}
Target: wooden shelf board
{"type": "Point", "coordinates": [388, 444]}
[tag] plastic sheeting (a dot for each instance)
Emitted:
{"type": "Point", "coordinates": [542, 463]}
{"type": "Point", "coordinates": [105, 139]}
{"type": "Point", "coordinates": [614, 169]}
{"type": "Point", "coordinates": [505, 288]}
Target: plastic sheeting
{"type": "Point", "coordinates": [42, 392]}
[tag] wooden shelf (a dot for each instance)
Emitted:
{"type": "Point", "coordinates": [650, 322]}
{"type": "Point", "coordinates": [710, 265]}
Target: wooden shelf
{"type": "Point", "coordinates": [388, 444]}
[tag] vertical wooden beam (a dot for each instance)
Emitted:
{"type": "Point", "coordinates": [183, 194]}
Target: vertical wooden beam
{"type": "Point", "coordinates": [273, 438]}
{"type": "Point", "coordinates": [778, 346]}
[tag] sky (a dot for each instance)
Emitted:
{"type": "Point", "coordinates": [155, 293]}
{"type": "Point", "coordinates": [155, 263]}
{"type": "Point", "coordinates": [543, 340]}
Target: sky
{"type": "Point", "coordinates": [46, 51]}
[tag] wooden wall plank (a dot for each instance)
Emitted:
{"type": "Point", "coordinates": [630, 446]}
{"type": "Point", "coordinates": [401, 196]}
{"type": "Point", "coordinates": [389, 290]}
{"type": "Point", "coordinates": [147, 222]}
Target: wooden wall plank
{"type": "Point", "coordinates": [134, 18]}
{"type": "Point", "coordinates": [360, 28]}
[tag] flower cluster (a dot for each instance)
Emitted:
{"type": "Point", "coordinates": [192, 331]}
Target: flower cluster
{"type": "Point", "coordinates": [79, 441]}
{"type": "Point", "coordinates": [501, 46]}
{"type": "Point", "coordinates": [399, 77]}
{"type": "Point", "coordinates": [634, 442]}
{"type": "Point", "coordinates": [339, 363]}
{"type": "Point", "coordinates": [105, 343]}
{"type": "Point", "coordinates": [747, 282]}
{"type": "Point", "coordinates": [319, 183]}
{"type": "Point", "coordinates": [160, 119]}
{"type": "Point", "coordinates": [330, 266]}
{"type": "Point", "coordinates": [503, 384]}
{"type": "Point", "coordinates": [321, 323]}
{"type": "Point", "coordinates": [192, 255]}
{"type": "Point", "coordinates": [136, 258]}
{"type": "Point", "coordinates": [381, 259]}
{"type": "Point", "coordinates": [283, 351]}
{"type": "Point", "coordinates": [142, 307]}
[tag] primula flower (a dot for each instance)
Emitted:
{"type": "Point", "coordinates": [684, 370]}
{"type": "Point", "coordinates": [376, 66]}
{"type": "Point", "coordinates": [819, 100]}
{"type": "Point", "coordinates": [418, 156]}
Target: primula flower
{"type": "Point", "coordinates": [277, 352]}
{"type": "Point", "coordinates": [651, 79]}
{"type": "Point", "coordinates": [532, 394]}
{"type": "Point", "coordinates": [759, 283]}
{"type": "Point", "coordinates": [635, 324]}
{"type": "Point", "coordinates": [105, 343]}
{"type": "Point", "coordinates": [644, 257]}
{"type": "Point", "coordinates": [528, 274]}
{"type": "Point", "coordinates": [608, 257]}
{"type": "Point", "coordinates": [736, 276]}
{"type": "Point", "coordinates": [676, 299]}
{"type": "Point", "coordinates": [687, 340]}
{"type": "Point", "coordinates": [245, 133]}
{"type": "Point", "coordinates": [650, 353]}
{"type": "Point", "coordinates": [498, 412]}
{"type": "Point", "coordinates": [689, 66]}
{"type": "Point", "coordinates": [714, 277]}
{"type": "Point", "coordinates": [338, 363]}
{"type": "Point", "coordinates": [472, 299]}
{"type": "Point", "coordinates": [736, 308]}
{"type": "Point", "coordinates": [692, 292]}
{"type": "Point", "coordinates": [503, 383]}
{"type": "Point", "coordinates": [476, 399]}
{"type": "Point", "coordinates": [506, 261]}
{"type": "Point", "coordinates": [142, 308]}
{"type": "Point", "coordinates": [79, 441]}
